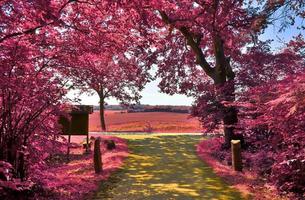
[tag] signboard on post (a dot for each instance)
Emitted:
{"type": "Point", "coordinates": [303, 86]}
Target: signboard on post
{"type": "Point", "coordinates": [77, 123]}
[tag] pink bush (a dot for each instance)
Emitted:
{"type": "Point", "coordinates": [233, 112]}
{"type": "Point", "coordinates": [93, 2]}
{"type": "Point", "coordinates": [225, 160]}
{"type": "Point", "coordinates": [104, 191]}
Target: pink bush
{"type": "Point", "coordinates": [77, 179]}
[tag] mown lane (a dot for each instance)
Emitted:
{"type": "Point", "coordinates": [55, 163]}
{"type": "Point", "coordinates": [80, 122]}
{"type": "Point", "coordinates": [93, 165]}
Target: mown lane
{"type": "Point", "coordinates": [164, 168]}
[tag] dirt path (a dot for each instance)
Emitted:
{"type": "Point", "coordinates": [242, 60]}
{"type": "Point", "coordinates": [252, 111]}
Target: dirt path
{"type": "Point", "coordinates": [164, 168]}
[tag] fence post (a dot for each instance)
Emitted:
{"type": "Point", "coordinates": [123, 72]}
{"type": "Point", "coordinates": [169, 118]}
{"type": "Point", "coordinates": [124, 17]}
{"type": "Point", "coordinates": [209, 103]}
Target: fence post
{"type": "Point", "coordinates": [97, 157]}
{"type": "Point", "coordinates": [236, 155]}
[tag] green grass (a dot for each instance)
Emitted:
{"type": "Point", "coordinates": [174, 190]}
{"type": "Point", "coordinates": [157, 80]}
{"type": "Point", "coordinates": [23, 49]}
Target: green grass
{"type": "Point", "coordinates": [164, 167]}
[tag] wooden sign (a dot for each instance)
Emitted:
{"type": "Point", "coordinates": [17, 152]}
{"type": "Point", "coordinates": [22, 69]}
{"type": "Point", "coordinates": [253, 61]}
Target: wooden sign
{"type": "Point", "coordinates": [78, 121]}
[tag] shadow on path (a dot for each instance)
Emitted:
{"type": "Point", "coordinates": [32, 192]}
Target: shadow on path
{"type": "Point", "coordinates": [164, 168]}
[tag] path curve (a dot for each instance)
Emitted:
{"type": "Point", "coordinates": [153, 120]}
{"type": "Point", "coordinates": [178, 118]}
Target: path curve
{"type": "Point", "coordinates": [164, 167]}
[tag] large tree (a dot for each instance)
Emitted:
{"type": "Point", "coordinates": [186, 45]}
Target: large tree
{"type": "Point", "coordinates": [198, 40]}
{"type": "Point", "coordinates": [200, 45]}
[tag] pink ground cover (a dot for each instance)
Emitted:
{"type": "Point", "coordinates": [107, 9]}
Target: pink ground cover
{"type": "Point", "coordinates": [77, 179]}
{"type": "Point", "coordinates": [247, 182]}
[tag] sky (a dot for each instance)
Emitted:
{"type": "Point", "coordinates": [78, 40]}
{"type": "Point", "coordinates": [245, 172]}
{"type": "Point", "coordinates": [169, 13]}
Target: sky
{"type": "Point", "coordinates": [151, 94]}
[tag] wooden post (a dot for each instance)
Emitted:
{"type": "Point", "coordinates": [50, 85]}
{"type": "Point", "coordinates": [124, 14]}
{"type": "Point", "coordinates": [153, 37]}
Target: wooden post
{"type": "Point", "coordinates": [97, 157]}
{"type": "Point", "coordinates": [68, 151]}
{"type": "Point", "coordinates": [87, 143]}
{"type": "Point", "coordinates": [236, 155]}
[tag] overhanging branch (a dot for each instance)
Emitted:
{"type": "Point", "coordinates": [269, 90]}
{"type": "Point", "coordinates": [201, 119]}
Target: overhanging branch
{"type": "Point", "coordinates": [194, 43]}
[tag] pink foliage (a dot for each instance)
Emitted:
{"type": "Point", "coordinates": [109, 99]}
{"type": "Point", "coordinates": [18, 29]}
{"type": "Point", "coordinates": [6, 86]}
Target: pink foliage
{"type": "Point", "coordinates": [282, 112]}
{"type": "Point", "coordinates": [32, 88]}
{"type": "Point", "coordinates": [248, 182]}
{"type": "Point", "coordinates": [110, 63]}
{"type": "Point", "coordinates": [77, 179]}
{"type": "Point", "coordinates": [205, 49]}
{"type": "Point", "coordinates": [30, 100]}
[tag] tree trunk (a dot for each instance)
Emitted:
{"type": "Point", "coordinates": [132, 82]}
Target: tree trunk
{"type": "Point", "coordinates": [102, 114]}
{"type": "Point", "coordinates": [102, 96]}
{"type": "Point", "coordinates": [222, 74]}
{"type": "Point", "coordinates": [229, 121]}
{"type": "Point", "coordinates": [225, 92]}
{"type": "Point", "coordinates": [224, 81]}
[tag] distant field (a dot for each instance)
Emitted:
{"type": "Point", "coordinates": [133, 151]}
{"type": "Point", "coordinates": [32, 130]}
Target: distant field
{"type": "Point", "coordinates": [157, 121]}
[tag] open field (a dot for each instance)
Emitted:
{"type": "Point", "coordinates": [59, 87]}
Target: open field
{"type": "Point", "coordinates": [145, 121]}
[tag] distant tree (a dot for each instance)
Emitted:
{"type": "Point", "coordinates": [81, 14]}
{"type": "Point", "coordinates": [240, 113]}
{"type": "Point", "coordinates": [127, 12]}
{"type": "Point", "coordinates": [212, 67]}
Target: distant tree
{"type": "Point", "coordinates": [120, 81]}
{"type": "Point", "coordinates": [102, 56]}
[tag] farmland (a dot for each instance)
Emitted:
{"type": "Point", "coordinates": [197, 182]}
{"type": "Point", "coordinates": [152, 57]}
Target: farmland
{"type": "Point", "coordinates": [167, 122]}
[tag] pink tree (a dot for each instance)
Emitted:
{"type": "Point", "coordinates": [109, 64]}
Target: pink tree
{"type": "Point", "coordinates": [19, 19]}
{"type": "Point", "coordinates": [108, 76]}
{"type": "Point", "coordinates": [102, 55]}
{"type": "Point", "coordinates": [272, 120]}
{"type": "Point", "coordinates": [201, 40]}
{"type": "Point", "coordinates": [200, 45]}
{"type": "Point", "coordinates": [271, 113]}
{"type": "Point", "coordinates": [30, 95]}
{"type": "Point", "coordinates": [30, 37]}
{"type": "Point", "coordinates": [31, 89]}
{"type": "Point", "coordinates": [283, 114]}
